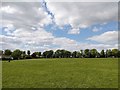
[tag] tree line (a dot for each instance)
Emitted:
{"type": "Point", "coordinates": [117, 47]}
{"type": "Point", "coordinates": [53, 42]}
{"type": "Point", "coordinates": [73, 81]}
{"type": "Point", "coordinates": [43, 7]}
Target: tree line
{"type": "Point", "coordinates": [87, 53]}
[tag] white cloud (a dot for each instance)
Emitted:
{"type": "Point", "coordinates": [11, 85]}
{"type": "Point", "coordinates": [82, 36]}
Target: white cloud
{"type": "Point", "coordinates": [24, 25]}
{"type": "Point", "coordinates": [82, 14]}
{"type": "Point", "coordinates": [109, 37]}
{"type": "Point", "coordinates": [34, 42]}
{"type": "Point", "coordinates": [8, 9]}
{"type": "Point", "coordinates": [9, 28]}
{"type": "Point", "coordinates": [26, 14]}
{"type": "Point", "coordinates": [95, 29]}
{"type": "Point", "coordinates": [74, 31]}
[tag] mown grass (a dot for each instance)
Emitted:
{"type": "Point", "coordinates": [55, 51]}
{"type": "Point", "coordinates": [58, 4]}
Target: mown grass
{"type": "Point", "coordinates": [61, 73]}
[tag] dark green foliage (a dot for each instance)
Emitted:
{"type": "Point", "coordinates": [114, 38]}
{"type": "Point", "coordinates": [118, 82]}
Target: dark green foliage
{"type": "Point", "coordinates": [74, 54]}
{"type": "Point", "coordinates": [16, 54]}
{"type": "Point", "coordinates": [87, 53]}
{"type": "Point", "coordinates": [23, 55]}
{"type": "Point", "coordinates": [62, 54]}
{"type": "Point", "coordinates": [58, 54]}
{"type": "Point", "coordinates": [108, 53]}
{"type": "Point", "coordinates": [34, 55]}
{"type": "Point", "coordinates": [28, 52]}
{"type": "Point", "coordinates": [102, 54]}
{"type": "Point", "coordinates": [7, 52]}
{"type": "Point", "coordinates": [48, 54]}
{"type": "Point", "coordinates": [115, 52]}
{"type": "Point", "coordinates": [93, 53]}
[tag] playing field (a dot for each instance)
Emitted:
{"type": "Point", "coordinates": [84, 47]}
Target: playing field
{"type": "Point", "coordinates": [60, 73]}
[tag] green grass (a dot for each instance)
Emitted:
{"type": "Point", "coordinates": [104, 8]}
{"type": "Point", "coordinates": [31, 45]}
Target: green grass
{"type": "Point", "coordinates": [61, 73]}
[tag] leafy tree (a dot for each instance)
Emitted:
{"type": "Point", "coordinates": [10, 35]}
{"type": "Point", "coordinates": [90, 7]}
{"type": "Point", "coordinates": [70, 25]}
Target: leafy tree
{"type": "Point", "coordinates": [23, 55]}
{"type": "Point", "coordinates": [87, 53]}
{"type": "Point", "coordinates": [82, 54]}
{"type": "Point", "coordinates": [74, 54]}
{"type": "Point", "coordinates": [28, 52]}
{"type": "Point", "coordinates": [34, 55]}
{"type": "Point", "coordinates": [78, 55]}
{"type": "Point", "coordinates": [67, 54]}
{"type": "Point", "coordinates": [16, 54]}
{"type": "Point", "coordinates": [115, 52]}
{"type": "Point", "coordinates": [48, 54]}
{"type": "Point", "coordinates": [102, 54]}
{"type": "Point", "coordinates": [39, 54]}
{"type": "Point", "coordinates": [93, 53]}
{"type": "Point", "coordinates": [119, 53]}
{"type": "Point", "coordinates": [58, 54]}
{"type": "Point", "coordinates": [98, 55]}
{"type": "Point", "coordinates": [108, 53]}
{"type": "Point", "coordinates": [7, 52]}
{"type": "Point", "coordinates": [28, 55]}
{"type": "Point", "coordinates": [62, 53]}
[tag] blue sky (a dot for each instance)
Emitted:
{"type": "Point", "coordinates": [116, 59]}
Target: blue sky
{"type": "Point", "coordinates": [40, 26]}
{"type": "Point", "coordinates": [85, 33]}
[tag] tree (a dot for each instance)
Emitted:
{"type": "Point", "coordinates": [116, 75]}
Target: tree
{"type": "Point", "coordinates": [78, 55]}
{"type": "Point", "coordinates": [7, 52]}
{"type": "Point", "coordinates": [67, 54]}
{"type": "Point", "coordinates": [23, 55]}
{"type": "Point", "coordinates": [102, 54]}
{"type": "Point", "coordinates": [39, 54]}
{"type": "Point", "coordinates": [74, 54]}
{"type": "Point", "coordinates": [119, 53]}
{"type": "Point", "coordinates": [108, 53]}
{"type": "Point", "coordinates": [87, 53]}
{"type": "Point", "coordinates": [62, 53]}
{"type": "Point", "coordinates": [93, 53]}
{"type": "Point", "coordinates": [28, 52]}
{"type": "Point", "coordinates": [115, 52]}
{"type": "Point", "coordinates": [28, 55]}
{"type": "Point", "coordinates": [16, 54]}
{"type": "Point", "coordinates": [58, 54]}
{"type": "Point", "coordinates": [82, 54]}
{"type": "Point", "coordinates": [48, 54]}
{"type": "Point", "coordinates": [34, 55]}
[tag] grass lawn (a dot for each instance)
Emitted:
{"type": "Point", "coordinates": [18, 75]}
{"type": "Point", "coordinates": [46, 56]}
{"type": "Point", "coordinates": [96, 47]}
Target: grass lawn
{"type": "Point", "coordinates": [61, 73]}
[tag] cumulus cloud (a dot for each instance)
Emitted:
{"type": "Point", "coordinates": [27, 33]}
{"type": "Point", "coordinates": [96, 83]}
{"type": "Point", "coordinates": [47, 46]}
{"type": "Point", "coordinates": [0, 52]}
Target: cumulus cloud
{"type": "Point", "coordinates": [109, 37]}
{"type": "Point", "coordinates": [82, 15]}
{"type": "Point", "coordinates": [23, 25]}
{"type": "Point", "coordinates": [8, 9]}
{"type": "Point", "coordinates": [24, 14]}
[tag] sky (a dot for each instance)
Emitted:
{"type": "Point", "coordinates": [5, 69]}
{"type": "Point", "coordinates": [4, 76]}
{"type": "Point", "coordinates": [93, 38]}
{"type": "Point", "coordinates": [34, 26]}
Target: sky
{"type": "Point", "coordinates": [41, 26]}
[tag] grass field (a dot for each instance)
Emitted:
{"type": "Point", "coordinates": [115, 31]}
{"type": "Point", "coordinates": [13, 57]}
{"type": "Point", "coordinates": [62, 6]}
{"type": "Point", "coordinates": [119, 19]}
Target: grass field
{"type": "Point", "coordinates": [61, 73]}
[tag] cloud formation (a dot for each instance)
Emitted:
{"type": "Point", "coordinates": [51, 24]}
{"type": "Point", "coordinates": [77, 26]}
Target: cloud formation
{"type": "Point", "coordinates": [110, 37]}
{"type": "Point", "coordinates": [23, 25]}
{"type": "Point", "coordinates": [84, 14]}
